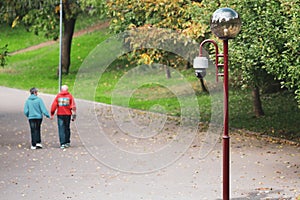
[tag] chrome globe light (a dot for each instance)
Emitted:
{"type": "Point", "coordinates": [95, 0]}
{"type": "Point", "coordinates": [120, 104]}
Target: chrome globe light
{"type": "Point", "coordinates": [225, 23]}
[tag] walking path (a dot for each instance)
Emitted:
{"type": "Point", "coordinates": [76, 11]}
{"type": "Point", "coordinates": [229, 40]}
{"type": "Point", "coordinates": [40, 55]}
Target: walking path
{"type": "Point", "coordinates": [259, 170]}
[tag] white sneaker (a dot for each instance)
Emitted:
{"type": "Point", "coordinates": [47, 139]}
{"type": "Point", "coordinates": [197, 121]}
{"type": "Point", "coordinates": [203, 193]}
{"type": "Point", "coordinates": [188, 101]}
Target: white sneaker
{"type": "Point", "coordinates": [39, 145]}
{"type": "Point", "coordinates": [33, 147]}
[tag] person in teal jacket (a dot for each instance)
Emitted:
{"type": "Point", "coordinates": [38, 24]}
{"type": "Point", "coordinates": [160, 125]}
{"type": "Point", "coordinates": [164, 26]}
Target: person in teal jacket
{"type": "Point", "coordinates": [34, 109]}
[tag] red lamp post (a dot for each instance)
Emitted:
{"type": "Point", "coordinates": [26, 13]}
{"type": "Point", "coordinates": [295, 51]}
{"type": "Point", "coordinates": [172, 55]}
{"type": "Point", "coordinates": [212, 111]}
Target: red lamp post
{"type": "Point", "coordinates": [225, 24]}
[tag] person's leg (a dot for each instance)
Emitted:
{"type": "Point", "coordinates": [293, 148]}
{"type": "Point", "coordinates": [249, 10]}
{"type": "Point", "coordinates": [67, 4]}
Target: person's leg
{"type": "Point", "coordinates": [38, 129]}
{"type": "Point", "coordinates": [67, 129]}
{"type": "Point", "coordinates": [33, 131]}
{"type": "Point", "coordinates": [61, 129]}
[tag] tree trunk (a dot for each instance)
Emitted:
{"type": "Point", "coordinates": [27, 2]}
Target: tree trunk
{"type": "Point", "coordinates": [69, 26]}
{"type": "Point", "coordinates": [203, 86]}
{"type": "Point", "coordinates": [257, 106]}
{"type": "Point", "coordinates": [168, 73]}
{"type": "Point", "coordinates": [188, 66]}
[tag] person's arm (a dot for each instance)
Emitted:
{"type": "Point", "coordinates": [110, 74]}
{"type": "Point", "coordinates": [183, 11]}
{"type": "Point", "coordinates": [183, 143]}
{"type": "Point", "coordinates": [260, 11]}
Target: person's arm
{"type": "Point", "coordinates": [73, 108]}
{"type": "Point", "coordinates": [43, 108]}
{"type": "Point", "coordinates": [26, 110]}
{"type": "Point", "coordinates": [53, 107]}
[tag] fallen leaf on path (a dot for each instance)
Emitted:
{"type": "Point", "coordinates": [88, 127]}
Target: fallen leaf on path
{"type": "Point", "coordinates": [264, 189]}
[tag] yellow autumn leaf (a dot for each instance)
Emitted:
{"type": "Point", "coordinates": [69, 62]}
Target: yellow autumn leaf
{"type": "Point", "coordinates": [57, 9]}
{"type": "Point", "coordinates": [15, 22]}
{"type": "Point", "coordinates": [146, 58]}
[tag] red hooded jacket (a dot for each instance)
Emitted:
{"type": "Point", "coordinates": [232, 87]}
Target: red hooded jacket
{"type": "Point", "coordinates": [64, 104]}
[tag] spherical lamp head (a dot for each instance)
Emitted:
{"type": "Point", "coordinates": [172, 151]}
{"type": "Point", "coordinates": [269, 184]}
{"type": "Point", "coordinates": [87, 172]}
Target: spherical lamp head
{"type": "Point", "coordinates": [225, 23]}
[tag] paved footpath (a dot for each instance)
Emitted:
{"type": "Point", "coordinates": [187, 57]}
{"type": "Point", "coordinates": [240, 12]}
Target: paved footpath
{"type": "Point", "coordinates": [86, 171]}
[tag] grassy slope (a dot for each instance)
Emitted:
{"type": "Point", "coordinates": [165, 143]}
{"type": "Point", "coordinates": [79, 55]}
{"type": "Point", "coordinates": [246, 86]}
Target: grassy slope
{"type": "Point", "coordinates": [38, 68]}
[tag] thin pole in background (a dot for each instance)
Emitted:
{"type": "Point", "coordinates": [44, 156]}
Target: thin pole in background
{"type": "Point", "coordinates": [60, 46]}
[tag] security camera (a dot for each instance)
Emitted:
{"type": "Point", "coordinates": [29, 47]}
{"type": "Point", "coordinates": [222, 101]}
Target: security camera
{"type": "Point", "coordinates": [200, 66]}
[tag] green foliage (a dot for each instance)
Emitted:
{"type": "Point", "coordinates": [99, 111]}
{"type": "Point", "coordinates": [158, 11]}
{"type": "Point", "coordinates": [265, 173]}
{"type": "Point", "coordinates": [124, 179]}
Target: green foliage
{"type": "Point", "coordinates": [259, 45]}
{"type": "Point", "coordinates": [43, 16]}
{"type": "Point", "coordinates": [291, 54]}
{"type": "Point", "coordinates": [268, 45]}
{"type": "Point", "coordinates": [43, 20]}
{"type": "Point", "coordinates": [12, 10]}
{"type": "Point", "coordinates": [94, 8]}
{"type": "Point", "coordinates": [152, 45]}
{"type": "Point", "coordinates": [161, 23]}
{"type": "Point", "coordinates": [176, 15]}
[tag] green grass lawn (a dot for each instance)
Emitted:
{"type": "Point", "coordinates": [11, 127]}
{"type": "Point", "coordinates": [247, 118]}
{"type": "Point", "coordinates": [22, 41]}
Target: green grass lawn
{"type": "Point", "coordinates": [18, 38]}
{"type": "Point", "coordinates": [39, 69]}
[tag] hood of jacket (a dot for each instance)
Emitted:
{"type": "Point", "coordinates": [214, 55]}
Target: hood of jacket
{"type": "Point", "coordinates": [64, 93]}
{"type": "Point", "coordinates": [32, 97]}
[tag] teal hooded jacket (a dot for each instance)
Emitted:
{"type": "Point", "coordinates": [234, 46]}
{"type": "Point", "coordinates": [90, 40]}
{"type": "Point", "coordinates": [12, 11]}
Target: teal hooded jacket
{"type": "Point", "coordinates": [34, 108]}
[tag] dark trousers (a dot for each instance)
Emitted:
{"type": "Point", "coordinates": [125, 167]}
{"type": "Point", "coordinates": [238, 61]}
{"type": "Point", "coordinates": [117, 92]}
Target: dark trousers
{"type": "Point", "coordinates": [35, 129]}
{"type": "Point", "coordinates": [63, 122]}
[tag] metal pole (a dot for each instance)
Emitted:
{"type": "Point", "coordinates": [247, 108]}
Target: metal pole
{"type": "Point", "coordinates": [60, 46]}
{"type": "Point", "coordinates": [226, 138]}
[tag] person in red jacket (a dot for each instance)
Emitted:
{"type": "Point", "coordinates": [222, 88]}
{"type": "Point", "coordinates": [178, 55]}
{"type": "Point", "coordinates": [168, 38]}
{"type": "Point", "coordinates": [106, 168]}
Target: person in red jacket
{"type": "Point", "coordinates": [65, 108]}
